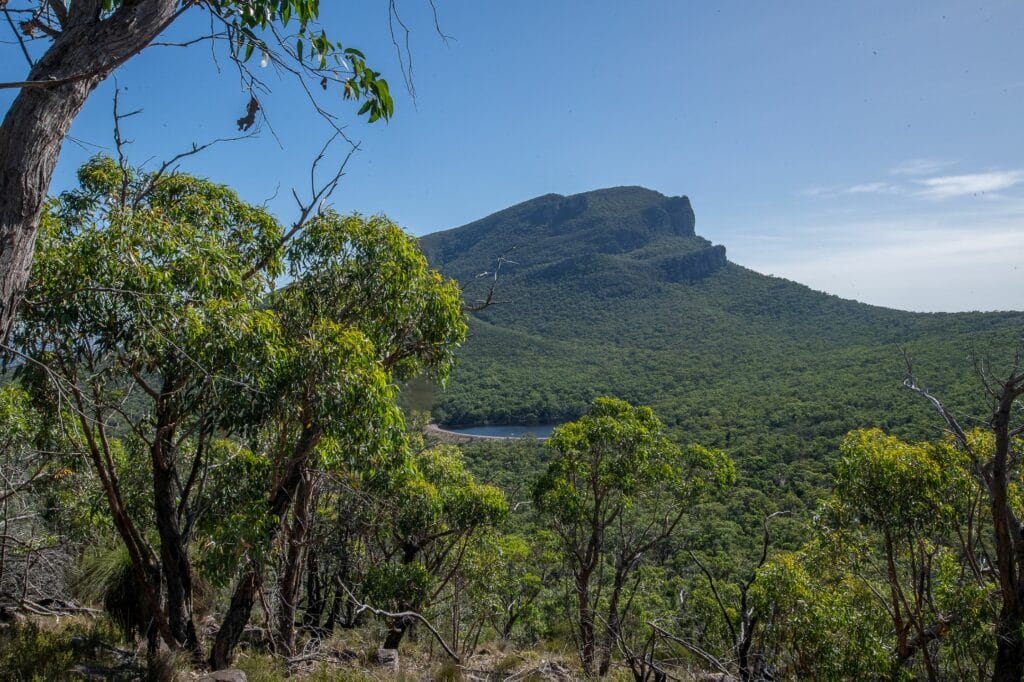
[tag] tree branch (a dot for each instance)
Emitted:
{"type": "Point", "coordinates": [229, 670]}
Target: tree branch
{"type": "Point", "coordinates": [362, 607]}
{"type": "Point", "coordinates": [17, 34]}
{"type": "Point", "coordinates": [100, 70]}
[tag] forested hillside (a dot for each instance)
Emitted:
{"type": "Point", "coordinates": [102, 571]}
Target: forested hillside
{"type": "Point", "coordinates": [212, 470]}
{"type": "Point", "coordinates": [611, 292]}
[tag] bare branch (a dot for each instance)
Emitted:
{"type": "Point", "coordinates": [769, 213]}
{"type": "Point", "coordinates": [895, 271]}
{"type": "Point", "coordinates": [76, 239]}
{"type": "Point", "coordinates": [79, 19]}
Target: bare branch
{"type": "Point", "coordinates": [17, 34]}
{"type": "Point", "coordinates": [393, 17]}
{"type": "Point", "coordinates": [362, 607]}
{"type": "Point", "coordinates": [764, 547]}
{"type": "Point", "coordinates": [691, 647]}
{"type": "Point", "coordinates": [170, 164]}
{"type": "Point", "coordinates": [488, 300]}
{"type": "Point", "coordinates": [319, 194]}
{"type": "Point", "coordinates": [222, 35]}
{"type": "Point", "coordinates": [951, 422]}
{"type": "Point", "coordinates": [59, 11]}
{"type": "Point", "coordinates": [437, 24]}
{"type": "Point", "coordinates": [718, 598]}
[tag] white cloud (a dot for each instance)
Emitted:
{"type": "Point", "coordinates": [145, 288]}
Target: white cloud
{"type": "Point", "coordinates": [919, 167]}
{"type": "Point", "coordinates": [933, 261]}
{"type": "Point", "coordinates": [951, 186]}
{"type": "Point", "coordinates": [874, 188]}
{"type": "Point", "coordinates": [834, 191]}
{"type": "Point", "coordinates": [815, 192]}
{"type": "Point", "coordinates": [938, 187]}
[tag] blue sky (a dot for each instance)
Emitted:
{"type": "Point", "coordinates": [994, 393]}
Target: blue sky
{"type": "Point", "coordinates": [868, 149]}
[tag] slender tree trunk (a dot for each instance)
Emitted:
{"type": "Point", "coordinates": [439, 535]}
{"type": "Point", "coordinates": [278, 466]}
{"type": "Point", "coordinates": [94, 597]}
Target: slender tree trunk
{"type": "Point", "coordinates": [245, 591]}
{"type": "Point", "coordinates": [748, 624]}
{"type": "Point", "coordinates": [291, 577]}
{"type": "Point", "coordinates": [236, 619]}
{"type": "Point", "coordinates": [31, 135]}
{"type": "Point", "coordinates": [334, 613]}
{"type": "Point", "coordinates": [1009, 664]}
{"type": "Point", "coordinates": [585, 613]}
{"type": "Point", "coordinates": [316, 599]}
{"type": "Point", "coordinates": [614, 624]}
{"type": "Point", "coordinates": [144, 563]}
{"type": "Point", "coordinates": [177, 570]}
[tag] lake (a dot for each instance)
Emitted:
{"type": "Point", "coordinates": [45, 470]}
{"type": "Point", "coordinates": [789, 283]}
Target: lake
{"type": "Point", "coordinates": [506, 431]}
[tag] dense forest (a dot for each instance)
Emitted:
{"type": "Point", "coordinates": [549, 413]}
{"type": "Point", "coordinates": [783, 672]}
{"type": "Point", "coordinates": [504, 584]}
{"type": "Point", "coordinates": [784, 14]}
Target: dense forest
{"type": "Point", "coordinates": [205, 462]}
{"type": "Point", "coordinates": [223, 453]}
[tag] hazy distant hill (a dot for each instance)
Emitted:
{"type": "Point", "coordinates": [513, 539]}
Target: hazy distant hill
{"type": "Point", "coordinates": [612, 292]}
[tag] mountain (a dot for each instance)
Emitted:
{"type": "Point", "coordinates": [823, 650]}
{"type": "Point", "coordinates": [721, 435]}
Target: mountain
{"type": "Point", "coordinates": [613, 292]}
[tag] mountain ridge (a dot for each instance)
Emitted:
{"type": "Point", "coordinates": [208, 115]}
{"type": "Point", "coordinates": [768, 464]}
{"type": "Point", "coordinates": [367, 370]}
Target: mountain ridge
{"type": "Point", "coordinates": [588, 304]}
{"type": "Point", "coordinates": [614, 224]}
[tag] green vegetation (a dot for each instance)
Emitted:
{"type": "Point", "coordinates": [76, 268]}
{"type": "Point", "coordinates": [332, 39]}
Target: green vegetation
{"type": "Point", "coordinates": [617, 490]}
{"type": "Point", "coordinates": [217, 461]}
{"type": "Point", "coordinates": [769, 370]}
{"type": "Point", "coordinates": [87, 40]}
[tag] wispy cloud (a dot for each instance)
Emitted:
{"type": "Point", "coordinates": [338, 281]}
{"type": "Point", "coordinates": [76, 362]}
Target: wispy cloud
{"type": "Point", "coordinates": [816, 192]}
{"type": "Point", "coordinates": [951, 186]}
{"type": "Point", "coordinates": [959, 260]}
{"type": "Point", "coordinates": [919, 167]}
{"type": "Point", "coordinates": [834, 191]}
{"type": "Point", "coordinates": [936, 187]}
{"type": "Point", "coordinates": [874, 188]}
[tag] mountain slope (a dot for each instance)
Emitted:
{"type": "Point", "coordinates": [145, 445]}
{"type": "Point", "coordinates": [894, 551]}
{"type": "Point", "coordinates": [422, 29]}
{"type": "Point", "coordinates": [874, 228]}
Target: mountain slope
{"type": "Point", "coordinates": [613, 292]}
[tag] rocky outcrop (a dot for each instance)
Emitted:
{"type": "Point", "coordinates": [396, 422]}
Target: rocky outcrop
{"type": "Point", "coordinates": [692, 266]}
{"type": "Point", "coordinates": [387, 659]}
{"type": "Point", "coordinates": [616, 241]}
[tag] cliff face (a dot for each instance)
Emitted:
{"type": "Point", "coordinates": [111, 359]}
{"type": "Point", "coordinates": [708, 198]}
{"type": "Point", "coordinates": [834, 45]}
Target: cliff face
{"type": "Point", "coordinates": [694, 265]}
{"type": "Point", "coordinates": [612, 240]}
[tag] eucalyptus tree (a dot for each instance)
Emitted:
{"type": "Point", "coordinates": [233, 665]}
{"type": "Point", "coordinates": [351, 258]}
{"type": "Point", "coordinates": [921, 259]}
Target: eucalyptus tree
{"type": "Point", "coordinates": [893, 582]}
{"type": "Point", "coordinates": [84, 41]}
{"type": "Point", "coordinates": [152, 316]}
{"type": "Point", "coordinates": [615, 490]}
{"type": "Point", "coordinates": [137, 307]}
{"type": "Point", "coordinates": [362, 310]}
{"type": "Point", "coordinates": [359, 288]}
{"type": "Point", "coordinates": [995, 465]}
{"type": "Point", "coordinates": [429, 513]}
{"type": "Point", "coordinates": [917, 498]}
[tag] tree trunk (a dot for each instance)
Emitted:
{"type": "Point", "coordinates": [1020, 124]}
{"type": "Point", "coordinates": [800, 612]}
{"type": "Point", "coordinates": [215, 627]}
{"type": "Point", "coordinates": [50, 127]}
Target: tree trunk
{"type": "Point", "coordinates": [748, 624]}
{"type": "Point", "coordinates": [35, 126]}
{"type": "Point", "coordinates": [396, 632]}
{"type": "Point", "coordinates": [1009, 664]}
{"type": "Point", "coordinates": [144, 564]}
{"type": "Point", "coordinates": [614, 624]}
{"type": "Point", "coordinates": [334, 613]}
{"type": "Point", "coordinates": [177, 571]}
{"type": "Point", "coordinates": [245, 592]}
{"type": "Point", "coordinates": [236, 619]}
{"type": "Point", "coordinates": [316, 599]}
{"type": "Point", "coordinates": [291, 577]}
{"type": "Point", "coordinates": [586, 618]}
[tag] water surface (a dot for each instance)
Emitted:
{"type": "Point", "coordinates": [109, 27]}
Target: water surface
{"type": "Point", "coordinates": [505, 431]}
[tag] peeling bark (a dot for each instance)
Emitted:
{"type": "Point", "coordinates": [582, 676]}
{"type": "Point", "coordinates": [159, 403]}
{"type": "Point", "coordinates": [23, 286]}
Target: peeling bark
{"type": "Point", "coordinates": [83, 54]}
